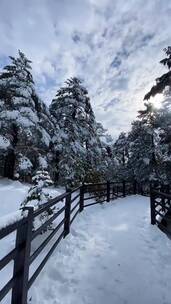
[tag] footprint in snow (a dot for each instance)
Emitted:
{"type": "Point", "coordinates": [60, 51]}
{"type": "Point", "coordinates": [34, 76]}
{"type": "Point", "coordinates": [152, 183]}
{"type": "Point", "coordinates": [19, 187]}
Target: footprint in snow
{"type": "Point", "coordinates": [55, 275]}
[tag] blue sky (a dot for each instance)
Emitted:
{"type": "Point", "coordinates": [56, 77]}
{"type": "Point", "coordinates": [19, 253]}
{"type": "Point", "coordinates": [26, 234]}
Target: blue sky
{"type": "Point", "coordinates": [113, 45]}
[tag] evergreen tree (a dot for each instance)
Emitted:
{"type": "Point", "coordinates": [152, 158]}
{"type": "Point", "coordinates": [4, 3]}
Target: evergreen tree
{"type": "Point", "coordinates": [37, 196]}
{"type": "Point", "coordinates": [163, 118]}
{"type": "Point", "coordinates": [163, 81]}
{"type": "Point", "coordinates": [140, 152]}
{"type": "Point", "coordinates": [107, 164]}
{"type": "Point", "coordinates": [120, 150]}
{"type": "Point", "coordinates": [24, 118]}
{"type": "Point", "coordinates": [164, 144]}
{"type": "Point", "coordinates": [77, 140]}
{"type": "Point", "coordinates": [144, 155]}
{"type": "Point", "coordinates": [148, 119]}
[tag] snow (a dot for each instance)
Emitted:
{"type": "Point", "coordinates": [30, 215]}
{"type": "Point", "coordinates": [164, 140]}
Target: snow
{"type": "Point", "coordinates": [12, 193]}
{"type": "Point", "coordinates": [4, 142]}
{"type": "Point", "coordinates": [16, 115]}
{"type": "Point", "coordinates": [112, 255]}
{"type": "Point", "coordinates": [28, 112]}
{"type": "Point", "coordinates": [45, 137]}
{"type": "Point", "coordinates": [43, 162]}
{"type": "Point", "coordinates": [146, 160]}
{"type": "Point", "coordinates": [25, 164]}
{"type": "Point", "coordinates": [11, 218]}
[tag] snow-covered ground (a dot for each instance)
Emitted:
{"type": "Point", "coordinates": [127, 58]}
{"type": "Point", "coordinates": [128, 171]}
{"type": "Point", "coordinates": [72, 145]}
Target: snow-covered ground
{"type": "Point", "coordinates": [12, 193]}
{"type": "Point", "coordinates": [112, 255]}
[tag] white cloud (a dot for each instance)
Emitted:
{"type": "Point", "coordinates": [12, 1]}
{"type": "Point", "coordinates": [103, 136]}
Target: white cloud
{"type": "Point", "coordinates": [114, 46]}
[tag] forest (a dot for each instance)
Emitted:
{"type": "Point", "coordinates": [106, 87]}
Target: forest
{"type": "Point", "coordinates": [67, 141]}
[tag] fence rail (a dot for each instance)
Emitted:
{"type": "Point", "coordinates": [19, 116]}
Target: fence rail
{"type": "Point", "coordinates": [71, 203]}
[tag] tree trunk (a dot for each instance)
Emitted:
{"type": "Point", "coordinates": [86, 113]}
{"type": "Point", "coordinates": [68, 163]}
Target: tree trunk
{"type": "Point", "coordinates": [57, 159]}
{"type": "Point", "coordinates": [9, 164]}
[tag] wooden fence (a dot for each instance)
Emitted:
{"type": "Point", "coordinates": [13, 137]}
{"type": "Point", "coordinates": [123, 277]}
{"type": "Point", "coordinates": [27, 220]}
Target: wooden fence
{"type": "Point", "coordinates": [67, 207]}
{"type": "Point", "coordinates": [160, 202]}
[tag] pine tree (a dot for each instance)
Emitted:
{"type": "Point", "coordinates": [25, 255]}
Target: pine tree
{"type": "Point", "coordinates": [37, 196]}
{"type": "Point", "coordinates": [107, 164]}
{"type": "Point", "coordinates": [163, 81]}
{"type": "Point", "coordinates": [77, 140]}
{"type": "Point", "coordinates": [140, 152]}
{"type": "Point", "coordinates": [163, 119]}
{"type": "Point", "coordinates": [144, 156]}
{"type": "Point", "coordinates": [164, 144]}
{"type": "Point", "coordinates": [13, 83]}
{"type": "Point", "coordinates": [120, 150]}
{"type": "Point", "coordinates": [25, 120]}
{"type": "Point", "coordinates": [148, 119]}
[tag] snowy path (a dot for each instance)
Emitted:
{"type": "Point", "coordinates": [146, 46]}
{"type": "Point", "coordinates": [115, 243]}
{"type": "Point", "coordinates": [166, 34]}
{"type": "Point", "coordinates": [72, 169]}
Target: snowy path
{"type": "Point", "coordinates": [113, 255]}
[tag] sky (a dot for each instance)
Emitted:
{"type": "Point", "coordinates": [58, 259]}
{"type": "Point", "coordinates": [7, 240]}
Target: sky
{"type": "Point", "coordinates": [114, 46]}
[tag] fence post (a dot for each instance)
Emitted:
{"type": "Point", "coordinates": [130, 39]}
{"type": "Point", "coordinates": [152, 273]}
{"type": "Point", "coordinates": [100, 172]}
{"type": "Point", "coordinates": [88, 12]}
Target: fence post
{"type": "Point", "coordinates": [21, 262]}
{"type": "Point", "coordinates": [108, 191]}
{"type": "Point", "coordinates": [135, 186]}
{"type": "Point", "coordinates": [123, 186]}
{"type": "Point", "coordinates": [163, 199]}
{"type": "Point", "coordinates": [67, 213]}
{"type": "Point", "coordinates": [82, 198]}
{"type": "Point", "coordinates": [168, 192]}
{"type": "Point", "coordinates": [152, 206]}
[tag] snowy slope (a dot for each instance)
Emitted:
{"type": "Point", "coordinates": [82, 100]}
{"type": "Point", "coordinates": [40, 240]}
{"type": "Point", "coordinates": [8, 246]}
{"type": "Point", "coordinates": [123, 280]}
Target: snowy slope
{"type": "Point", "coordinates": [12, 193]}
{"type": "Point", "coordinates": [113, 255]}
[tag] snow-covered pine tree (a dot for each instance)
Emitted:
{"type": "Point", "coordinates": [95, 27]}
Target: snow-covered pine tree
{"type": "Point", "coordinates": [121, 154]}
{"type": "Point", "coordinates": [139, 152]}
{"type": "Point", "coordinates": [38, 195]}
{"type": "Point", "coordinates": [77, 142]}
{"type": "Point", "coordinates": [148, 119]}
{"type": "Point", "coordinates": [106, 163]}
{"type": "Point", "coordinates": [144, 157]}
{"type": "Point", "coordinates": [163, 85]}
{"type": "Point", "coordinates": [10, 90]}
{"type": "Point", "coordinates": [24, 119]}
{"type": "Point", "coordinates": [163, 120]}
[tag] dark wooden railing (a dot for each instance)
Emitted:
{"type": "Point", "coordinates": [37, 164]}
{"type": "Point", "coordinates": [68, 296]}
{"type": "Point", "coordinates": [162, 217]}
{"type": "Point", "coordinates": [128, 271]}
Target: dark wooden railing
{"type": "Point", "coordinates": [67, 207]}
{"type": "Point", "coordinates": [160, 202]}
